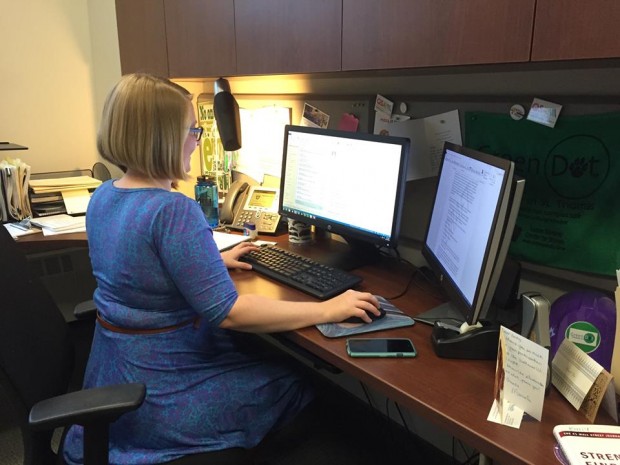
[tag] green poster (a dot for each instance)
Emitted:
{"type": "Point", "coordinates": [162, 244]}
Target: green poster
{"type": "Point", "coordinates": [570, 213]}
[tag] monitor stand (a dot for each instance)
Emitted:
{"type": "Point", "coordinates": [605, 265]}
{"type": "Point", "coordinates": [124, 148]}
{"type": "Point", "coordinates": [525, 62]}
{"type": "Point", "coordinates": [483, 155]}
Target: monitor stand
{"type": "Point", "coordinates": [344, 254]}
{"type": "Point", "coordinates": [451, 340]}
{"type": "Point", "coordinates": [446, 313]}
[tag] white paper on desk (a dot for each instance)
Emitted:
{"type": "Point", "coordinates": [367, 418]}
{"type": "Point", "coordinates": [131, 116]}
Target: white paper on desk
{"type": "Point", "coordinates": [427, 136]}
{"type": "Point", "coordinates": [59, 222]}
{"type": "Point", "coordinates": [76, 201]}
{"type": "Point", "coordinates": [16, 232]}
{"type": "Point", "coordinates": [508, 415]}
{"type": "Point", "coordinates": [75, 229]}
{"type": "Point", "coordinates": [225, 241]}
{"type": "Point", "coordinates": [521, 376]}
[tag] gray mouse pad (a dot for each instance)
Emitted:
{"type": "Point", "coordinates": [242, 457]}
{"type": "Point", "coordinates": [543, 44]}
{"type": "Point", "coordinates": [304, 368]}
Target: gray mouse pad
{"type": "Point", "coordinates": [394, 318]}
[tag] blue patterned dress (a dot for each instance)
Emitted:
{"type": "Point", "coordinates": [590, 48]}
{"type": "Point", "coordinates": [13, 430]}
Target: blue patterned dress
{"type": "Point", "coordinates": [156, 265]}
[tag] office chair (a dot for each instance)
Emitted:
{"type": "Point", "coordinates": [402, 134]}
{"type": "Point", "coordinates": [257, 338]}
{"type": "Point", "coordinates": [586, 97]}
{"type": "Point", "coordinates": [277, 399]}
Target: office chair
{"type": "Point", "coordinates": [36, 365]}
{"type": "Point", "coordinates": [36, 368]}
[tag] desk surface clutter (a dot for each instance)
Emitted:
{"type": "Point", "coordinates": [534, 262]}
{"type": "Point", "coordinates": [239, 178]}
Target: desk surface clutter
{"type": "Point", "coordinates": [453, 394]}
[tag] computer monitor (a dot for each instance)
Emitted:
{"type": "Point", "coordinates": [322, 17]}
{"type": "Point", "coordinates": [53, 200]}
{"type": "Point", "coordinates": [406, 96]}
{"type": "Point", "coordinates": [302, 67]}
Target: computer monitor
{"type": "Point", "coordinates": [347, 183]}
{"type": "Point", "coordinates": [470, 228]}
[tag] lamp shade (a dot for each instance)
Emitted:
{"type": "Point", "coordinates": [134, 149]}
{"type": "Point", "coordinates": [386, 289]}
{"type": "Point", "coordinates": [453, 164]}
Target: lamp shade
{"type": "Point", "coordinates": [226, 112]}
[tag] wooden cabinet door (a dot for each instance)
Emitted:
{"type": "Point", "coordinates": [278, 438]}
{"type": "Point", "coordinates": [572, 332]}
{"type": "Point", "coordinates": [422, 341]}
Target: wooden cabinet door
{"type": "Point", "coordinates": [288, 36]}
{"type": "Point", "coordinates": [417, 33]}
{"type": "Point", "coordinates": [201, 38]}
{"type": "Point", "coordinates": [142, 36]}
{"type": "Point", "coordinates": [576, 29]}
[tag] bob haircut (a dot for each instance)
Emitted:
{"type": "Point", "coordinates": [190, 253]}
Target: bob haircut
{"type": "Point", "coordinates": [144, 126]}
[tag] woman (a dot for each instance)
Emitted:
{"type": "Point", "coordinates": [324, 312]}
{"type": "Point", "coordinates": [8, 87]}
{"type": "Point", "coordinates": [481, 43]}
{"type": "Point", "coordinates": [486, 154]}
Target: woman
{"type": "Point", "coordinates": [169, 314]}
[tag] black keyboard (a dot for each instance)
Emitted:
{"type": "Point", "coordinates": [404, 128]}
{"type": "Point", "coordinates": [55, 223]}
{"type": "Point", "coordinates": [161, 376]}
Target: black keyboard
{"type": "Point", "coordinates": [301, 273]}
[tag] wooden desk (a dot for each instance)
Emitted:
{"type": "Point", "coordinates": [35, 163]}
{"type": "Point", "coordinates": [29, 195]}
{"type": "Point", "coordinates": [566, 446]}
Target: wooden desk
{"type": "Point", "coordinates": [454, 394]}
{"type": "Point", "coordinates": [34, 243]}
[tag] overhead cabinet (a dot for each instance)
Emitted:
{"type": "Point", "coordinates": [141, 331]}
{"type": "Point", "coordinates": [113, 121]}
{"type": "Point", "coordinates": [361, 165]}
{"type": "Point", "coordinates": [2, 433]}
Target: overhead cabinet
{"type": "Point", "coordinates": [288, 36]}
{"type": "Point", "coordinates": [211, 38]}
{"type": "Point", "coordinates": [574, 30]}
{"type": "Point", "coordinates": [177, 38]}
{"type": "Point", "coordinates": [142, 36]}
{"type": "Point", "coordinates": [201, 38]}
{"type": "Point", "coordinates": [422, 33]}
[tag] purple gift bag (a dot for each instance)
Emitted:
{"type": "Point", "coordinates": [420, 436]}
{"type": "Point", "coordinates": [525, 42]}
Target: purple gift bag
{"type": "Point", "coordinates": [587, 318]}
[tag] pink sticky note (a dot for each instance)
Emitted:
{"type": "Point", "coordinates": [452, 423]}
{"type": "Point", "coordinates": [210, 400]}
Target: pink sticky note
{"type": "Point", "coordinates": [348, 122]}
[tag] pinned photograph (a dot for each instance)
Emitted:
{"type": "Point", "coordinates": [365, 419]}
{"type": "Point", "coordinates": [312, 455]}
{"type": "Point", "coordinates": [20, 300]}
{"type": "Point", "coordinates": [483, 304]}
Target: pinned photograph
{"type": "Point", "coordinates": [313, 117]}
{"type": "Point", "coordinates": [544, 112]}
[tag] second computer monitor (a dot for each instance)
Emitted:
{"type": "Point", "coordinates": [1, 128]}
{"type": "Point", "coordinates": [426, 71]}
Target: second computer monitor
{"type": "Point", "coordinates": [348, 183]}
{"type": "Point", "coordinates": [471, 224]}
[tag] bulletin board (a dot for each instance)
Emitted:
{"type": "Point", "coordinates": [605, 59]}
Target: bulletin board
{"type": "Point", "coordinates": [570, 212]}
{"type": "Point", "coordinates": [259, 159]}
{"type": "Point", "coordinates": [588, 243]}
{"type": "Point", "coordinates": [420, 193]}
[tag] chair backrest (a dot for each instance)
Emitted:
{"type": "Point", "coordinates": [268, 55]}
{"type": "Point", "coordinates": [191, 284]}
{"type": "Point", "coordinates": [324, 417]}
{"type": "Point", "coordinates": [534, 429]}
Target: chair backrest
{"type": "Point", "coordinates": [36, 352]}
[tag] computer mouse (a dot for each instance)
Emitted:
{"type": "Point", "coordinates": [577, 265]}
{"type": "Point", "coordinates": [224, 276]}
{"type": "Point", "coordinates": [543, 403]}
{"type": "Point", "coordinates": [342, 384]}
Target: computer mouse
{"type": "Point", "coordinates": [373, 317]}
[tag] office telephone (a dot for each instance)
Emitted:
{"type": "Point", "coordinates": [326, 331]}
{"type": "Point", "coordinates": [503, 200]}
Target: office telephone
{"type": "Point", "coordinates": [245, 203]}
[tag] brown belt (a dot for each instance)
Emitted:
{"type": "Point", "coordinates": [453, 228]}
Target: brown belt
{"type": "Point", "coordinates": [118, 329]}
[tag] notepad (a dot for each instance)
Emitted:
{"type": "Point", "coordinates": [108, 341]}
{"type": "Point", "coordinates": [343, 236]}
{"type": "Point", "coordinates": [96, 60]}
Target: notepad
{"type": "Point", "coordinates": [60, 222]}
{"type": "Point", "coordinates": [225, 241]}
{"type": "Point", "coordinates": [76, 201]}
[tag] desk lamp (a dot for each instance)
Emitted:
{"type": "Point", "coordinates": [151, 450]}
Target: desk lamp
{"type": "Point", "coordinates": [226, 112]}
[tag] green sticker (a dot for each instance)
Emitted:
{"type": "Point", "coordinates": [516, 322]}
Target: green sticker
{"type": "Point", "coordinates": [584, 335]}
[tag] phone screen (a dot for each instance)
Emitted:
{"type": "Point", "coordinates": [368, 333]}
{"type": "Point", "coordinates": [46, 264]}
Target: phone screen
{"type": "Point", "coordinates": [386, 347]}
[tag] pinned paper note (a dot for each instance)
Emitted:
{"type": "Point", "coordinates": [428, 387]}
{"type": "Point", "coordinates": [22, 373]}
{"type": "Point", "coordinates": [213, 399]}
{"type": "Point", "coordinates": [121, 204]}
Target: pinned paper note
{"type": "Point", "coordinates": [427, 136]}
{"type": "Point", "coordinates": [544, 112]}
{"type": "Point", "coordinates": [383, 105]}
{"type": "Point", "coordinates": [348, 122]}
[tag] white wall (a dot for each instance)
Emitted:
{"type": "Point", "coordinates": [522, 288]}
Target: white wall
{"type": "Point", "coordinates": [58, 61]}
{"type": "Point", "coordinates": [49, 73]}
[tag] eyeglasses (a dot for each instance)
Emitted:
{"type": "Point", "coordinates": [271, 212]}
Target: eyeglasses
{"type": "Point", "coordinates": [196, 132]}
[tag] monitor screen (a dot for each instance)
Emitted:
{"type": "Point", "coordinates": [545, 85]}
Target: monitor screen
{"type": "Point", "coordinates": [347, 183]}
{"type": "Point", "coordinates": [468, 225]}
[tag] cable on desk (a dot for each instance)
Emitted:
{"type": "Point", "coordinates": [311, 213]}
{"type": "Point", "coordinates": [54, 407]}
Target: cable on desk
{"type": "Point", "coordinates": [421, 452]}
{"type": "Point", "coordinates": [402, 443]}
{"type": "Point", "coordinates": [468, 460]}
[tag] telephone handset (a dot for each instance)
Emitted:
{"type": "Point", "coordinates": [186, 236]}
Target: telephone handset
{"type": "Point", "coordinates": [246, 203]}
{"type": "Point", "coordinates": [236, 189]}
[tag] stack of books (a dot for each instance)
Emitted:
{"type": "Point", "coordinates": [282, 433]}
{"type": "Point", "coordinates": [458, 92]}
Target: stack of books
{"type": "Point", "coordinates": [587, 444]}
{"type": "Point", "coordinates": [61, 195]}
{"type": "Point", "coordinates": [60, 224]}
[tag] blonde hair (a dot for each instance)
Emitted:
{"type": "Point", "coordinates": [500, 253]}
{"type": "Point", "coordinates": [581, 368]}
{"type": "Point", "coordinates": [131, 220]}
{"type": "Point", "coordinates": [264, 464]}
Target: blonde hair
{"type": "Point", "coordinates": [144, 126]}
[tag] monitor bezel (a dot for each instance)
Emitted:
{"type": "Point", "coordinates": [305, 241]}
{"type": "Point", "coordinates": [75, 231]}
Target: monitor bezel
{"type": "Point", "coordinates": [472, 312]}
{"type": "Point", "coordinates": [349, 232]}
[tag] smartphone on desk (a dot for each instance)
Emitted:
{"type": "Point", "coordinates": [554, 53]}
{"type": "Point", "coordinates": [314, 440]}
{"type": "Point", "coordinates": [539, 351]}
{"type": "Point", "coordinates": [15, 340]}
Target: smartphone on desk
{"type": "Point", "coordinates": [380, 347]}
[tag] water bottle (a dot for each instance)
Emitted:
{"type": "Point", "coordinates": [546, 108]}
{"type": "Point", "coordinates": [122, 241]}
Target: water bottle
{"type": "Point", "coordinates": [206, 196]}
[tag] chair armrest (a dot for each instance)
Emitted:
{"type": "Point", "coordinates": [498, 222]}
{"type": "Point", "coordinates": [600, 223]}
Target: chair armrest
{"type": "Point", "coordinates": [85, 310]}
{"type": "Point", "coordinates": [88, 406]}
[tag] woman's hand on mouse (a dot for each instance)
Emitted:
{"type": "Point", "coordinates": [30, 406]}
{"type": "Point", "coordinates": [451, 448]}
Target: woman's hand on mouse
{"type": "Point", "coordinates": [352, 303]}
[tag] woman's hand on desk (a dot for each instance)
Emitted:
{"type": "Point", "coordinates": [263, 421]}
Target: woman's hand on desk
{"type": "Point", "coordinates": [231, 257]}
